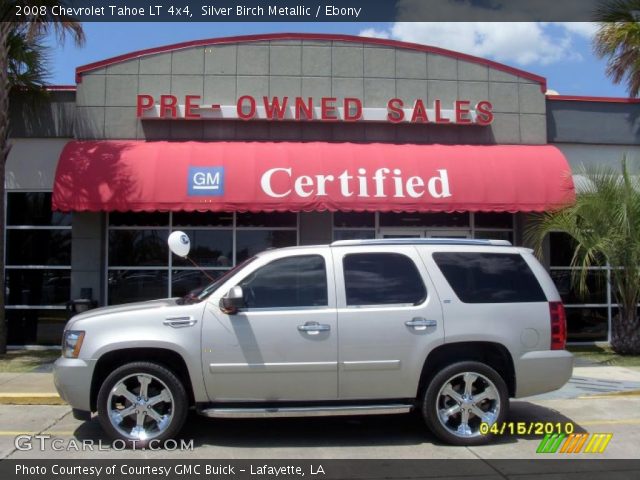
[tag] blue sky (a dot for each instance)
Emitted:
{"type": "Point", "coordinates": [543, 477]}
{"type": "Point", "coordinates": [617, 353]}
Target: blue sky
{"type": "Point", "coordinates": [561, 52]}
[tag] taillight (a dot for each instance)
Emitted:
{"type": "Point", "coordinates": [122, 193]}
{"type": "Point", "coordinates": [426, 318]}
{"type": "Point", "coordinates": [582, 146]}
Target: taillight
{"type": "Point", "coordinates": [558, 326]}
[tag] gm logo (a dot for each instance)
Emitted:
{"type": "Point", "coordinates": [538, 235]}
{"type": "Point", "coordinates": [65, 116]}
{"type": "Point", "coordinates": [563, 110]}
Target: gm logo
{"type": "Point", "coordinates": [206, 181]}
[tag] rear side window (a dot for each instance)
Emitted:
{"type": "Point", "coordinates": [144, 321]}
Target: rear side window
{"type": "Point", "coordinates": [489, 277]}
{"type": "Point", "coordinates": [382, 279]}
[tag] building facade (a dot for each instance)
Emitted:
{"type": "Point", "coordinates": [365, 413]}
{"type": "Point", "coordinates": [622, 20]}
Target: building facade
{"type": "Point", "coordinates": [255, 142]}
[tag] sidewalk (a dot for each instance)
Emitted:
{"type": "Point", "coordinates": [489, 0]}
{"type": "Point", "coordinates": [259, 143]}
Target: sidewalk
{"type": "Point", "coordinates": [28, 389]}
{"type": "Point", "coordinates": [38, 389]}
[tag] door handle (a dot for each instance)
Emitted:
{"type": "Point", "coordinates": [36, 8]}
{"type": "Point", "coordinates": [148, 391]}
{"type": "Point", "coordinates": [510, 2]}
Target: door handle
{"type": "Point", "coordinates": [180, 322]}
{"type": "Point", "coordinates": [419, 323]}
{"type": "Point", "coordinates": [313, 328]}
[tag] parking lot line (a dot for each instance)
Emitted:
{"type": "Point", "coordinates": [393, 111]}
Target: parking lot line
{"type": "Point", "coordinates": [628, 421]}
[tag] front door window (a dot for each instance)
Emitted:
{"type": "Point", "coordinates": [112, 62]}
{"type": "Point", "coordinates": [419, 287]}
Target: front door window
{"type": "Point", "coordinates": [292, 282]}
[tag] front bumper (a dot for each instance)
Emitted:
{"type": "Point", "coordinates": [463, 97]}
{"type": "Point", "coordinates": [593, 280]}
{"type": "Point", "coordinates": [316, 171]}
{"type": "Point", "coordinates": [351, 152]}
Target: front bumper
{"type": "Point", "coordinates": [543, 371]}
{"type": "Point", "coordinates": [72, 378]}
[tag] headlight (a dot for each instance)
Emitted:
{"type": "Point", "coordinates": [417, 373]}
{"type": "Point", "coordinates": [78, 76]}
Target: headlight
{"type": "Point", "coordinates": [71, 343]}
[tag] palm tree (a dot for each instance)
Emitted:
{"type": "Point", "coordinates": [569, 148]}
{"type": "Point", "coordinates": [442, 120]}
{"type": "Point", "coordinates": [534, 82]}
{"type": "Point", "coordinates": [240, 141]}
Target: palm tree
{"type": "Point", "coordinates": [22, 65]}
{"type": "Point", "coordinates": [604, 224]}
{"type": "Point", "coordinates": [618, 40]}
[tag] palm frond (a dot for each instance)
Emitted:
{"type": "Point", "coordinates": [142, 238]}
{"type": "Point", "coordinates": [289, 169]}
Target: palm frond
{"type": "Point", "coordinates": [604, 224]}
{"type": "Point", "coordinates": [618, 40]}
{"type": "Point", "coordinates": [38, 25]}
{"type": "Point", "coordinates": [617, 11]}
{"type": "Point", "coordinates": [27, 62]}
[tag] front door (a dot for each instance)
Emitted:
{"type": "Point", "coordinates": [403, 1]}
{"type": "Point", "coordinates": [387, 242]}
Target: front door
{"type": "Point", "coordinates": [283, 345]}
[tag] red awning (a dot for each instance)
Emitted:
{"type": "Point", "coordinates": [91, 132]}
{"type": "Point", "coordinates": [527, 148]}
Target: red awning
{"type": "Point", "coordinates": [282, 176]}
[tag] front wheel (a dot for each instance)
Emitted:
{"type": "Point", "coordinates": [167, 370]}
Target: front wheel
{"type": "Point", "coordinates": [460, 398]}
{"type": "Point", "coordinates": [142, 402]}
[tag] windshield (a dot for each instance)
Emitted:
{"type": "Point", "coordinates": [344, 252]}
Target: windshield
{"type": "Point", "coordinates": [206, 291]}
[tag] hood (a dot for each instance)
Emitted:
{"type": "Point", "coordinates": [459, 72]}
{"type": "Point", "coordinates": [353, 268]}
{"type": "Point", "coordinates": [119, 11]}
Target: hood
{"type": "Point", "coordinates": [125, 307]}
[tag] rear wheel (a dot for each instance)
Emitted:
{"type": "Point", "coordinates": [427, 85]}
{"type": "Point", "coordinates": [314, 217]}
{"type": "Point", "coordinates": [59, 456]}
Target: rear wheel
{"type": "Point", "coordinates": [460, 398]}
{"type": "Point", "coordinates": [140, 402]}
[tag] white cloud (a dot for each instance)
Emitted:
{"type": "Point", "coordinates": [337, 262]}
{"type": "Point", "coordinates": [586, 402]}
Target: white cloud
{"type": "Point", "coordinates": [523, 43]}
{"type": "Point", "coordinates": [372, 32]}
{"type": "Point", "coordinates": [584, 29]}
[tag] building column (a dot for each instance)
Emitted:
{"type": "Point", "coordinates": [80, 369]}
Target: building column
{"type": "Point", "coordinates": [315, 228]}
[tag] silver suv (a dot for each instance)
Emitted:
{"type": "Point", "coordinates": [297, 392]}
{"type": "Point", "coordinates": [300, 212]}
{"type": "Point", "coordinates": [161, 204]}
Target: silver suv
{"type": "Point", "coordinates": [451, 328]}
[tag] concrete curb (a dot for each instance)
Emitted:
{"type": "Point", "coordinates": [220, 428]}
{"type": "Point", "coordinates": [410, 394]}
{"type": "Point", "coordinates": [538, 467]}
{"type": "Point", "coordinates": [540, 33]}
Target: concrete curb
{"type": "Point", "coordinates": [31, 399]}
{"type": "Point", "coordinates": [626, 393]}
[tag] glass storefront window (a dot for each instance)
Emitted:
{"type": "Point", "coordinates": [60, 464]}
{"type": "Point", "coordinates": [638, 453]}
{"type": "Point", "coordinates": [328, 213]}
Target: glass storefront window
{"type": "Point", "coordinates": [345, 234]}
{"type": "Point", "coordinates": [433, 220]}
{"type": "Point", "coordinates": [138, 247]}
{"type": "Point", "coordinates": [250, 242]}
{"type": "Point", "coordinates": [353, 225]}
{"type": "Point", "coordinates": [587, 324]}
{"type": "Point", "coordinates": [493, 220]}
{"type": "Point", "coordinates": [202, 219]}
{"type": "Point", "coordinates": [37, 286]}
{"type": "Point", "coordinates": [38, 269]}
{"type": "Point", "coordinates": [596, 285]}
{"type": "Point", "coordinates": [494, 235]}
{"type": "Point", "coordinates": [136, 285]}
{"type": "Point", "coordinates": [139, 219]}
{"type": "Point", "coordinates": [38, 247]}
{"type": "Point", "coordinates": [584, 323]}
{"type": "Point", "coordinates": [267, 219]}
{"type": "Point", "coordinates": [561, 249]}
{"type": "Point", "coordinates": [219, 240]}
{"type": "Point", "coordinates": [34, 208]}
{"type": "Point", "coordinates": [35, 326]}
{"type": "Point", "coordinates": [354, 219]}
{"type": "Point", "coordinates": [209, 248]}
{"type": "Point", "coordinates": [187, 281]}
{"type": "Point", "coordinates": [587, 315]}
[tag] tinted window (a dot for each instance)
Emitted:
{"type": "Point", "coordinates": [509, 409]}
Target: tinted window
{"type": "Point", "coordinates": [251, 242]}
{"type": "Point", "coordinates": [33, 208]}
{"type": "Point", "coordinates": [406, 219]}
{"type": "Point", "coordinates": [138, 247]}
{"type": "Point", "coordinates": [264, 219]}
{"type": "Point", "coordinates": [382, 279]}
{"type": "Point", "coordinates": [134, 219]}
{"type": "Point", "coordinates": [489, 277]}
{"type": "Point", "coordinates": [289, 282]}
{"type": "Point", "coordinates": [39, 247]}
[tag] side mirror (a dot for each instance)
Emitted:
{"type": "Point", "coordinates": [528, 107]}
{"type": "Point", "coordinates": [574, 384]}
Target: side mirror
{"type": "Point", "coordinates": [232, 301]}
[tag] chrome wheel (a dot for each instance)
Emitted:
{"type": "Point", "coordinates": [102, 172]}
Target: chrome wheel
{"type": "Point", "coordinates": [140, 406]}
{"type": "Point", "coordinates": [465, 401]}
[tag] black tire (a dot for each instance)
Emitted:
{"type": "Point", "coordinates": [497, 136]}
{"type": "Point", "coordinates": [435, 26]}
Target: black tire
{"type": "Point", "coordinates": [433, 401]}
{"type": "Point", "coordinates": [177, 408]}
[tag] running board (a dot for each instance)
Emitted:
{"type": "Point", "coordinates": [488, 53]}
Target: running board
{"type": "Point", "coordinates": [319, 411]}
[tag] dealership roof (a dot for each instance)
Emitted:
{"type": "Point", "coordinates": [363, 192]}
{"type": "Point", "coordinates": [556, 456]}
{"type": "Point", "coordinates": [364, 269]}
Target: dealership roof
{"type": "Point", "coordinates": [384, 42]}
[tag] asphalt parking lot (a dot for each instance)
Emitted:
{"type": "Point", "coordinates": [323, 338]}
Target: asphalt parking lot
{"type": "Point", "coordinates": [377, 437]}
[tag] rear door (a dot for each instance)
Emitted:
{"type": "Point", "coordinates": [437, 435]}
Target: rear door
{"type": "Point", "coordinates": [389, 318]}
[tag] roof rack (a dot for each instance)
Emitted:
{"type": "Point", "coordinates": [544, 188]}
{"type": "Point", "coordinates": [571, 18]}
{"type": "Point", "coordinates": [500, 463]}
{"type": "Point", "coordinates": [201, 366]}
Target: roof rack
{"type": "Point", "coordinates": [422, 241]}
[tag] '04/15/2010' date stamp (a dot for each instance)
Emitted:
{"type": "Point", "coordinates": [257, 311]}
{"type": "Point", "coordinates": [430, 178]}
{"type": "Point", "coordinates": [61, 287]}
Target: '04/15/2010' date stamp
{"type": "Point", "coordinates": [527, 428]}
